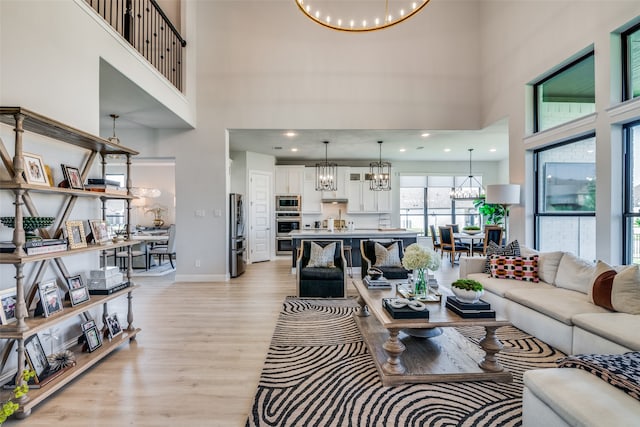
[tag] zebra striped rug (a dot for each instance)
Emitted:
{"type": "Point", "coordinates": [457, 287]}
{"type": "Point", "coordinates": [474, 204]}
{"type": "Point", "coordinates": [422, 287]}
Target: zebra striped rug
{"type": "Point", "coordinates": [318, 372]}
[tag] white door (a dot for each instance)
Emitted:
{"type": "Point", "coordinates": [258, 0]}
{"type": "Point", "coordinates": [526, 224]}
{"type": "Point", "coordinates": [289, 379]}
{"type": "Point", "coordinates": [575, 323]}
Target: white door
{"type": "Point", "coordinates": [260, 236]}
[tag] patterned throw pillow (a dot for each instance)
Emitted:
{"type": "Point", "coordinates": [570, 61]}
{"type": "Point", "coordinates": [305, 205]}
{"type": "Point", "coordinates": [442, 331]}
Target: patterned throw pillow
{"type": "Point", "coordinates": [387, 257]}
{"type": "Point", "coordinates": [512, 249]}
{"type": "Point", "coordinates": [322, 257]}
{"type": "Point", "coordinates": [515, 267]}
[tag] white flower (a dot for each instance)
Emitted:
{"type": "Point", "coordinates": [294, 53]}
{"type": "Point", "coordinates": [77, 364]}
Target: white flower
{"type": "Point", "coordinates": [416, 256]}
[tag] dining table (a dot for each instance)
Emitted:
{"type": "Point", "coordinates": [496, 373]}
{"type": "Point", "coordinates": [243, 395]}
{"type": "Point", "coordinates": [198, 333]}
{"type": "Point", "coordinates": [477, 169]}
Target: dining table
{"type": "Point", "coordinates": [472, 237]}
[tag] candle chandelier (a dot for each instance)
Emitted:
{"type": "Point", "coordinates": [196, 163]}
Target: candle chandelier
{"type": "Point", "coordinates": [470, 188]}
{"type": "Point", "coordinates": [326, 173]}
{"type": "Point", "coordinates": [380, 174]}
{"type": "Point", "coordinates": [359, 16]}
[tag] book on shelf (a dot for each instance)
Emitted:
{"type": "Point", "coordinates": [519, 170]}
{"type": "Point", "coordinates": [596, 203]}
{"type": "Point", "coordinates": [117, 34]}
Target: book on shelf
{"type": "Point", "coordinates": [9, 247]}
{"type": "Point", "coordinates": [39, 250]}
{"type": "Point", "coordinates": [377, 283]}
{"type": "Point", "coordinates": [109, 291]}
{"type": "Point", "coordinates": [102, 181]}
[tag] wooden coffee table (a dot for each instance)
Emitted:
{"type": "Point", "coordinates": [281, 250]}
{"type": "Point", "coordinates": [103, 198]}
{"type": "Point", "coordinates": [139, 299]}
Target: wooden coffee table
{"type": "Point", "coordinates": [449, 357]}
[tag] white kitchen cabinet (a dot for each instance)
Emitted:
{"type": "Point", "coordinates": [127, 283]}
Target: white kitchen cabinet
{"type": "Point", "coordinates": [289, 179]}
{"type": "Point", "coordinates": [361, 198]}
{"type": "Point", "coordinates": [311, 199]}
{"type": "Point", "coordinates": [341, 184]}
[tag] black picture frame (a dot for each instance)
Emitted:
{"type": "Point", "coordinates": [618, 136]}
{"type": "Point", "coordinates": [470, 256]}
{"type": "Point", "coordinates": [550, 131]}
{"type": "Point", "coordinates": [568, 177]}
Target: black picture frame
{"type": "Point", "coordinates": [73, 177]}
{"type": "Point", "coordinates": [50, 297]}
{"type": "Point", "coordinates": [92, 337]}
{"type": "Point", "coordinates": [113, 325]}
{"type": "Point", "coordinates": [74, 282]}
{"type": "Point", "coordinates": [36, 357]}
{"type": "Point", "coordinates": [88, 325]}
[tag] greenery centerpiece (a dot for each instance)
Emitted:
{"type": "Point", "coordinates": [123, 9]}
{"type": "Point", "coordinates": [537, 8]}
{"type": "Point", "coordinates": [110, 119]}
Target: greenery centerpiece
{"type": "Point", "coordinates": [471, 229]}
{"type": "Point", "coordinates": [467, 290]}
{"type": "Point", "coordinates": [419, 258]}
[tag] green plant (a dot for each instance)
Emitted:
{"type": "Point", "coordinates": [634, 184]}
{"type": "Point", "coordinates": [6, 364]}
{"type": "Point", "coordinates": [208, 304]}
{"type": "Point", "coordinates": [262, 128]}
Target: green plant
{"type": "Point", "coordinates": [492, 213]}
{"type": "Point", "coordinates": [21, 389]}
{"type": "Point", "coordinates": [471, 227]}
{"type": "Point", "coordinates": [468, 284]}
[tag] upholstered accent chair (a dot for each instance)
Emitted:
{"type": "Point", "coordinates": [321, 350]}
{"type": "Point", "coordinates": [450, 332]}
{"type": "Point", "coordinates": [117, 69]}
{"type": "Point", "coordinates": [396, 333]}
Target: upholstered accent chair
{"type": "Point", "coordinates": [391, 267]}
{"type": "Point", "coordinates": [321, 269]}
{"type": "Point", "coordinates": [448, 244]}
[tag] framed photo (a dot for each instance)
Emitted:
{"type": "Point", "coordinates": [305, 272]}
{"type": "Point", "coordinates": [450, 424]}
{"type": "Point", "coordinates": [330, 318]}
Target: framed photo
{"type": "Point", "coordinates": [88, 325]}
{"type": "Point", "coordinates": [75, 234]}
{"type": "Point", "coordinates": [92, 337]}
{"type": "Point", "coordinates": [100, 231]}
{"type": "Point", "coordinates": [34, 171]}
{"type": "Point", "coordinates": [75, 282]}
{"type": "Point", "coordinates": [8, 302]}
{"type": "Point", "coordinates": [50, 297]}
{"type": "Point", "coordinates": [113, 325]}
{"type": "Point", "coordinates": [36, 357]}
{"type": "Point", "coordinates": [72, 175]}
{"type": "Point", "coordinates": [78, 295]}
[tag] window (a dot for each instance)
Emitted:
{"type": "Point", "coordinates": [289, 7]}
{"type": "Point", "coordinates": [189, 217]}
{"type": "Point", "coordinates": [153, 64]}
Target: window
{"type": "Point", "coordinates": [115, 213]}
{"type": "Point", "coordinates": [631, 62]}
{"type": "Point", "coordinates": [566, 197]}
{"type": "Point", "coordinates": [412, 209]}
{"type": "Point", "coordinates": [631, 208]}
{"type": "Point", "coordinates": [565, 95]}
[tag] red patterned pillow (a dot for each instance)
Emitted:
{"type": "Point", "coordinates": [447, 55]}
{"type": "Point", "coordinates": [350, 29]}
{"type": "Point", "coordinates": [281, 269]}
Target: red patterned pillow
{"type": "Point", "coordinates": [515, 267]}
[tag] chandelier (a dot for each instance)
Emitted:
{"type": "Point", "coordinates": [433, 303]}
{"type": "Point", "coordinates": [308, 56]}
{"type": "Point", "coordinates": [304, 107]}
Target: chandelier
{"type": "Point", "coordinates": [326, 173]}
{"type": "Point", "coordinates": [470, 188]}
{"type": "Point", "coordinates": [114, 138]}
{"type": "Point", "coordinates": [380, 174]}
{"type": "Point", "coordinates": [359, 16]}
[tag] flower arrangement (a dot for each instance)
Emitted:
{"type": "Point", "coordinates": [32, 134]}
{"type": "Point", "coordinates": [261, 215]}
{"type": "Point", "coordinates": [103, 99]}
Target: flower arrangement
{"type": "Point", "coordinates": [157, 215]}
{"type": "Point", "coordinates": [419, 257]}
{"type": "Point", "coordinates": [10, 407]}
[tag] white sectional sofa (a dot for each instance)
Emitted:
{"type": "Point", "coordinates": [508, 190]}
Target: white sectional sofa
{"type": "Point", "coordinates": [559, 311]}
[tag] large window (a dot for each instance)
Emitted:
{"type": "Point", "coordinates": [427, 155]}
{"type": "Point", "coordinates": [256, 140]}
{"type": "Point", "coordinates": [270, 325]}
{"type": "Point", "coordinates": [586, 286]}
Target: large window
{"type": "Point", "coordinates": [566, 94]}
{"type": "Point", "coordinates": [631, 224]}
{"type": "Point", "coordinates": [631, 62]}
{"type": "Point", "coordinates": [566, 197]}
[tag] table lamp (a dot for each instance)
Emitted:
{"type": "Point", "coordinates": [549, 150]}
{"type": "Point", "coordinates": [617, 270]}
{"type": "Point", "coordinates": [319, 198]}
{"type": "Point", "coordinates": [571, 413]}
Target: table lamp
{"type": "Point", "coordinates": [504, 195]}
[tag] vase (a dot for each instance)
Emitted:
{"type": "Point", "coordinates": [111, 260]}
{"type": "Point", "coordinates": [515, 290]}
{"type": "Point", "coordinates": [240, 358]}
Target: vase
{"type": "Point", "coordinates": [420, 286]}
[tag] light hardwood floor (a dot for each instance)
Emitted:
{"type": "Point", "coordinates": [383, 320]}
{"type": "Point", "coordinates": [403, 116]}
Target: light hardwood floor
{"type": "Point", "coordinates": [196, 361]}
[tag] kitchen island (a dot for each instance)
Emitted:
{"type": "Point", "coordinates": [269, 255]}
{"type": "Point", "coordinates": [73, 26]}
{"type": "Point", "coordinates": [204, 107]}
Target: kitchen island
{"type": "Point", "coordinates": [351, 238]}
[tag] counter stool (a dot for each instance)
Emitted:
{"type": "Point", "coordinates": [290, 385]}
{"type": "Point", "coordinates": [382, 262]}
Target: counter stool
{"type": "Point", "coordinates": [347, 255]}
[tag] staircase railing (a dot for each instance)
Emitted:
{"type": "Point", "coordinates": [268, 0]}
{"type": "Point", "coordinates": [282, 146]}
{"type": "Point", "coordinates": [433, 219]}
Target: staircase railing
{"type": "Point", "coordinates": [146, 27]}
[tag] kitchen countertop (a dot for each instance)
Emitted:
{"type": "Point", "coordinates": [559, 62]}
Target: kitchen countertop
{"type": "Point", "coordinates": [358, 232]}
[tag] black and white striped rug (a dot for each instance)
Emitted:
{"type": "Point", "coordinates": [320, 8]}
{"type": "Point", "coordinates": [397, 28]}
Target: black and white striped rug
{"type": "Point", "coordinates": [319, 372]}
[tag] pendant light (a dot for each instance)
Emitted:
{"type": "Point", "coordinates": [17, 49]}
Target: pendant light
{"type": "Point", "coordinates": [114, 139]}
{"type": "Point", "coordinates": [470, 188]}
{"type": "Point", "coordinates": [326, 173]}
{"type": "Point", "coordinates": [380, 173]}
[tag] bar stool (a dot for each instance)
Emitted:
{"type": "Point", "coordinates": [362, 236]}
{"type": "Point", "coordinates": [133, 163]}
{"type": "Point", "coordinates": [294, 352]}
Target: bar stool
{"type": "Point", "coordinates": [346, 249]}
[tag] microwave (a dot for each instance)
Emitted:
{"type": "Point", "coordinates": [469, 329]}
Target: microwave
{"type": "Point", "coordinates": [288, 203]}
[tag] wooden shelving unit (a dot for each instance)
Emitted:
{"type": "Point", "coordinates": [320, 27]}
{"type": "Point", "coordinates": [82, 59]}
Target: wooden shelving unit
{"type": "Point", "coordinates": [25, 120]}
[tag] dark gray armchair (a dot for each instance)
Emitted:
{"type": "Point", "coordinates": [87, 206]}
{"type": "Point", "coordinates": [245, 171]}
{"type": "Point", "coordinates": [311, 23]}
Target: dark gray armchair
{"type": "Point", "coordinates": [368, 252]}
{"type": "Point", "coordinates": [325, 281]}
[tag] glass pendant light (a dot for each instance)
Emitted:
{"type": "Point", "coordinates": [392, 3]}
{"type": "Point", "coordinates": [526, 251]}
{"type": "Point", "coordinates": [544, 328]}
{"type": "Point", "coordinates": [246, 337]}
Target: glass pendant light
{"type": "Point", "coordinates": [326, 173]}
{"type": "Point", "coordinates": [114, 139]}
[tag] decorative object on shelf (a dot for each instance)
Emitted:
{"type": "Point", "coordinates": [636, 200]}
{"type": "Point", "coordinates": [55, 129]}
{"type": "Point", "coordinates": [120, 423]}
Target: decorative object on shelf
{"type": "Point", "coordinates": [157, 215]}
{"type": "Point", "coordinates": [19, 393]}
{"type": "Point", "coordinates": [471, 229]}
{"type": "Point", "coordinates": [467, 290]}
{"type": "Point", "coordinates": [34, 170]}
{"type": "Point", "coordinates": [75, 234]}
{"type": "Point", "coordinates": [52, 335]}
{"type": "Point", "coordinates": [113, 326]}
{"type": "Point", "coordinates": [62, 359]}
{"type": "Point", "coordinates": [466, 190]}
{"type": "Point", "coordinates": [360, 16]}
{"type": "Point", "coordinates": [100, 231]}
{"type": "Point", "coordinates": [380, 173]}
{"type": "Point", "coordinates": [72, 176]}
{"type": "Point", "coordinates": [36, 357]}
{"type": "Point", "coordinates": [326, 173]}
{"type": "Point", "coordinates": [504, 195]}
{"type": "Point", "coordinates": [49, 297]}
{"type": "Point", "coordinates": [91, 336]}
{"type": "Point", "coordinates": [374, 273]}
{"type": "Point", "coordinates": [114, 139]}
{"type": "Point", "coordinates": [8, 303]}
{"type": "Point", "coordinates": [29, 224]}
{"type": "Point", "coordinates": [418, 258]}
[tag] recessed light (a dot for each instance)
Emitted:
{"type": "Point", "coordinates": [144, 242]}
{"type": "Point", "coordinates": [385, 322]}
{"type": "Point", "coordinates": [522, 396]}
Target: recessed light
{"type": "Point", "coordinates": [419, 148]}
{"type": "Point", "coordinates": [294, 149]}
{"type": "Point", "coordinates": [402, 150]}
{"type": "Point", "coordinates": [290, 134]}
{"type": "Point", "coordinates": [446, 150]}
{"type": "Point", "coordinates": [277, 148]}
{"type": "Point", "coordinates": [493, 150]}
{"type": "Point", "coordinates": [589, 151]}
{"type": "Point", "coordinates": [424, 135]}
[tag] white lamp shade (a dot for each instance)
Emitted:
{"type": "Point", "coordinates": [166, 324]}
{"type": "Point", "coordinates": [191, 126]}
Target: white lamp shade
{"type": "Point", "coordinates": [503, 194]}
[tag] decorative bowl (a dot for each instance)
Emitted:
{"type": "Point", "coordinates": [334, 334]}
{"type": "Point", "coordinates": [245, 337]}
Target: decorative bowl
{"type": "Point", "coordinates": [467, 296]}
{"type": "Point", "coordinates": [29, 224]}
{"type": "Point", "coordinates": [471, 232]}
{"type": "Point", "coordinates": [374, 273]}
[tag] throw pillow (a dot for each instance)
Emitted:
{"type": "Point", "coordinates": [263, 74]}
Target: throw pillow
{"type": "Point", "coordinates": [548, 263]}
{"type": "Point", "coordinates": [512, 249]}
{"type": "Point", "coordinates": [574, 273]}
{"type": "Point", "coordinates": [322, 257]}
{"type": "Point", "coordinates": [515, 267]}
{"type": "Point", "coordinates": [625, 291]}
{"type": "Point", "coordinates": [600, 291]}
{"type": "Point", "coordinates": [387, 257]}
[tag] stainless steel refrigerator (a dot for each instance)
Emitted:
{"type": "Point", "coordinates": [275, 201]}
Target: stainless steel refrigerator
{"type": "Point", "coordinates": [237, 254]}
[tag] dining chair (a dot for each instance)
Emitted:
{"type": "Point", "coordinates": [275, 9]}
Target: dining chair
{"type": "Point", "coordinates": [434, 239]}
{"type": "Point", "coordinates": [448, 244]}
{"type": "Point", "coordinates": [161, 251]}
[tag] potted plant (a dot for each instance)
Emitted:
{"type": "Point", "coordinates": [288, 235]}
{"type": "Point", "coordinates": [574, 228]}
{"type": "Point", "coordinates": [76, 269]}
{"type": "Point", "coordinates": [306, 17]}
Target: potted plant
{"type": "Point", "coordinates": [471, 229]}
{"type": "Point", "coordinates": [467, 290]}
{"type": "Point", "coordinates": [492, 213]}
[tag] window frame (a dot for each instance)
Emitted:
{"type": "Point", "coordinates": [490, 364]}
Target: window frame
{"type": "Point", "coordinates": [627, 205]}
{"type": "Point", "coordinates": [627, 84]}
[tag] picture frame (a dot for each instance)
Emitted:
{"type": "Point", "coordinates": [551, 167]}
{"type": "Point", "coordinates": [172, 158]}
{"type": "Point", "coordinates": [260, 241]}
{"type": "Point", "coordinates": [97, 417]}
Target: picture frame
{"type": "Point", "coordinates": [74, 282]}
{"type": "Point", "coordinates": [75, 234]}
{"type": "Point", "coordinates": [36, 357]}
{"type": "Point", "coordinates": [8, 303]}
{"type": "Point", "coordinates": [73, 177]}
{"type": "Point", "coordinates": [113, 325]}
{"type": "Point", "coordinates": [88, 325]}
{"type": "Point", "coordinates": [34, 170]}
{"type": "Point", "coordinates": [79, 295]}
{"type": "Point", "coordinates": [50, 297]}
{"type": "Point", "coordinates": [100, 230]}
{"type": "Point", "coordinates": [92, 338]}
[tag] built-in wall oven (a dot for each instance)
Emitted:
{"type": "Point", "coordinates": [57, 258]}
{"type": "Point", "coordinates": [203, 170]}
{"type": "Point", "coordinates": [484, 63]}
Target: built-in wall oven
{"type": "Point", "coordinates": [286, 222]}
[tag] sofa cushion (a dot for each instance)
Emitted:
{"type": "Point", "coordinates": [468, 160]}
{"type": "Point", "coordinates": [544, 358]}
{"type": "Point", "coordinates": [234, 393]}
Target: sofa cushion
{"type": "Point", "coordinates": [574, 273]}
{"type": "Point", "coordinates": [625, 291]}
{"type": "Point", "coordinates": [321, 273]}
{"type": "Point", "coordinates": [512, 249]}
{"type": "Point", "coordinates": [548, 263]}
{"type": "Point", "coordinates": [559, 304]}
{"type": "Point", "coordinates": [620, 328]}
{"type": "Point", "coordinates": [515, 267]}
{"type": "Point", "coordinates": [387, 256]}
{"type": "Point", "coordinates": [500, 286]}
{"type": "Point", "coordinates": [601, 284]}
{"type": "Point", "coordinates": [322, 257]}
